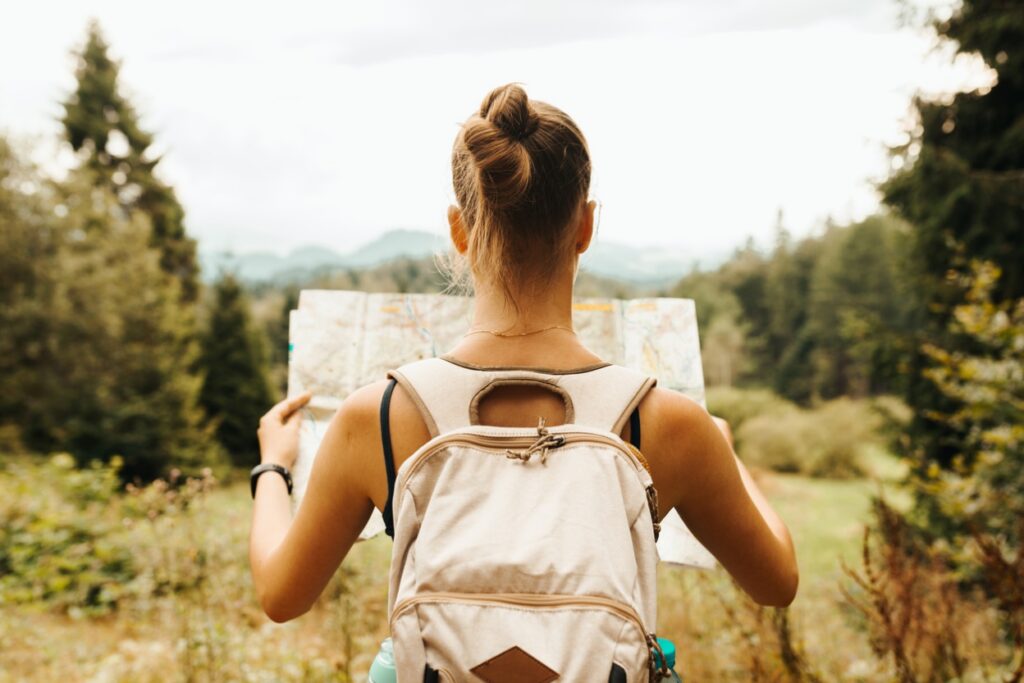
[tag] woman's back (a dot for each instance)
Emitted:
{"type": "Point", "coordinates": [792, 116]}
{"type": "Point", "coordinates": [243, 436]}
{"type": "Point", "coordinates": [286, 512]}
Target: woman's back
{"type": "Point", "coordinates": [691, 463]}
{"type": "Point", "coordinates": [521, 175]}
{"type": "Point", "coordinates": [509, 538]}
{"type": "Point", "coordinates": [506, 406]}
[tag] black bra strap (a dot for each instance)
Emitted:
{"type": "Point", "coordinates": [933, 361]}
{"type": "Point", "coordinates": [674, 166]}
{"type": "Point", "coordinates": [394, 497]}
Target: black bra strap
{"type": "Point", "coordinates": [389, 456]}
{"type": "Point", "coordinates": [634, 427]}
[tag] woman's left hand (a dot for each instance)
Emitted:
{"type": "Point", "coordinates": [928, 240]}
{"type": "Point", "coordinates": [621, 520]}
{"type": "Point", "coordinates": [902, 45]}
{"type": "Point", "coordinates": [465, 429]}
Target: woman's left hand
{"type": "Point", "coordinates": [279, 431]}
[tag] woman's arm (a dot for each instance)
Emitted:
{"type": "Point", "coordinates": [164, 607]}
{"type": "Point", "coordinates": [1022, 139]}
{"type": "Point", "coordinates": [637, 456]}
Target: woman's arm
{"type": "Point", "coordinates": [723, 506]}
{"type": "Point", "coordinates": [293, 559]}
{"type": "Point", "coordinates": [763, 506]}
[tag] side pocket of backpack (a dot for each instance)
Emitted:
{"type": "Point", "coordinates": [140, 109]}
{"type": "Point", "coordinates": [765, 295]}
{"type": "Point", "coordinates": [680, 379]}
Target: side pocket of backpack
{"type": "Point", "coordinates": [630, 661]}
{"type": "Point", "coordinates": [410, 653]}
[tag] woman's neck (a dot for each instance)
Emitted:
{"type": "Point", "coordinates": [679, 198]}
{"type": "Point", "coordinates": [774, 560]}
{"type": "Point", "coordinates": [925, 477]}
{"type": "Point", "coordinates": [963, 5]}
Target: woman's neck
{"type": "Point", "coordinates": [552, 306]}
{"type": "Point", "coordinates": [554, 347]}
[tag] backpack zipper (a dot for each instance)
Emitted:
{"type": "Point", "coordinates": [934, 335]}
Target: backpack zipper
{"type": "Point", "coordinates": [537, 601]}
{"type": "Point", "coordinates": [504, 444]}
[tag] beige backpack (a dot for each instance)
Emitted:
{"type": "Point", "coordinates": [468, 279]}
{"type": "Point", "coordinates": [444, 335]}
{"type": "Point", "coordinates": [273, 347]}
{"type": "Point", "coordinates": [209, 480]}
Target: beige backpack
{"type": "Point", "coordinates": [522, 555]}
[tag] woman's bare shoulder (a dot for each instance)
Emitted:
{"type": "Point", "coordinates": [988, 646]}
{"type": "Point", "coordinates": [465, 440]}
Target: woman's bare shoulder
{"type": "Point", "coordinates": [358, 425]}
{"type": "Point", "coordinates": [677, 434]}
{"type": "Point", "coordinates": [364, 403]}
{"type": "Point", "coordinates": [673, 405]}
{"type": "Point", "coordinates": [361, 409]}
{"type": "Point", "coordinates": [357, 417]}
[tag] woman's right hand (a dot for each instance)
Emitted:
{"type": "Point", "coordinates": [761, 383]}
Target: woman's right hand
{"type": "Point", "coordinates": [278, 432]}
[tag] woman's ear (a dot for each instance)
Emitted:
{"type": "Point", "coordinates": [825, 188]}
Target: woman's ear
{"type": "Point", "coordinates": [585, 227]}
{"type": "Point", "coordinates": [457, 230]}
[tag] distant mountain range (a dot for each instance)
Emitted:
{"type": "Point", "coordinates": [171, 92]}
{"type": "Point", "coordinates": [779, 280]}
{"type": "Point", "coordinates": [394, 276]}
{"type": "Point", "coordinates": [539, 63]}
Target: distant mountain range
{"type": "Point", "coordinates": [650, 266]}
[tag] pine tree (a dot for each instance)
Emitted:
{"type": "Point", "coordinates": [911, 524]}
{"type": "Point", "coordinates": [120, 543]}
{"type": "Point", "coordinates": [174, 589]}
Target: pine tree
{"type": "Point", "coordinates": [826, 316]}
{"type": "Point", "coordinates": [103, 126]}
{"type": "Point", "coordinates": [860, 309]}
{"type": "Point", "coordinates": [746, 276]}
{"type": "Point", "coordinates": [236, 391]}
{"type": "Point", "coordinates": [96, 351]}
{"type": "Point", "coordinates": [786, 355]}
{"type": "Point", "coordinates": [133, 391]}
{"type": "Point", "coordinates": [28, 244]}
{"type": "Point", "coordinates": [962, 192]}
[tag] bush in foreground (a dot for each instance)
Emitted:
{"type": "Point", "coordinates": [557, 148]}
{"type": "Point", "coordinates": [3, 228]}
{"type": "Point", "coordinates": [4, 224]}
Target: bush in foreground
{"type": "Point", "coordinates": [58, 536]}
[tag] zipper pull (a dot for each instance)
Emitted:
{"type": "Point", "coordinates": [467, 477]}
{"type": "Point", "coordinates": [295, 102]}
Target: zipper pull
{"type": "Point", "coordinates": [544, 441]}
{"type": "Point", "coordinates": [541, 446]}
{"type": "Point", "coordinates": [554, 441]}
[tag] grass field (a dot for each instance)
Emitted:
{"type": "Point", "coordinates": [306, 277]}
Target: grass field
{"type": "Point", "coordinates": [715, 628]}
{"type": "Point", "coordinates": [209, 628]}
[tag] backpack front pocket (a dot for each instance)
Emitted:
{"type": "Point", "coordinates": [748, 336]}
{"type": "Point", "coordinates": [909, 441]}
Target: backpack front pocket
{"type": "Point", "coordinates": [534, 638]}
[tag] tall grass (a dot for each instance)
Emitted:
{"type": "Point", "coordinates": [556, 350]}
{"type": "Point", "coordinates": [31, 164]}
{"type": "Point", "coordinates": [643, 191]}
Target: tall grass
{"type": "Point", "coordinates": [179, 603]}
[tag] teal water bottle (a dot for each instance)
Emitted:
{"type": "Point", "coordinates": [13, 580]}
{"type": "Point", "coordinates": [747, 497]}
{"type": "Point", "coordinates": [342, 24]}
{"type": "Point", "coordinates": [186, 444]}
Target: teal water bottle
{"type": "Point", "coordinates": [383, 668]}
{"type": "Point", "coordinates": [669, 650]}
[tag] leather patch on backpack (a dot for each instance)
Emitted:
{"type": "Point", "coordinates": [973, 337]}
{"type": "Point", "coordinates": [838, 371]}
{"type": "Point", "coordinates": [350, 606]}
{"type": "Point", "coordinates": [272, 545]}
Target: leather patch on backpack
{"type": "Point", "coordinates": [514, 665]}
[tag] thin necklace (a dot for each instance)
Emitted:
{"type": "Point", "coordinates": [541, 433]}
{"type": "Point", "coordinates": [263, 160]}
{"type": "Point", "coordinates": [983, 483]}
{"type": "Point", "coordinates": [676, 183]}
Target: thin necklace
{"type": "Point", "coordinates": [520, 334]}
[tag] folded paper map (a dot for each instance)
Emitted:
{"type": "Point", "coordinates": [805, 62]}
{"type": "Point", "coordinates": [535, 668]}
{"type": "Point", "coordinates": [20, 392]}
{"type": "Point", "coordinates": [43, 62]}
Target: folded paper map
{"type": "Point", "coordinates": [340, 341]}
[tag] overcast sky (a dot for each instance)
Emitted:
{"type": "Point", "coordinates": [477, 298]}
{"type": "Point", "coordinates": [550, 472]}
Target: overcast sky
{"type": "Point", "coordinates": [297, 123]}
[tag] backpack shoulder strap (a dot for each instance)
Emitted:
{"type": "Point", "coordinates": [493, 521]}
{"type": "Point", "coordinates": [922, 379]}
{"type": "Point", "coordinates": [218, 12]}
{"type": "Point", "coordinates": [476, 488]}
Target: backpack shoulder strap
{"type": "Point", "coordinates": [448, 394]}
{"type": "Point", "coordinates": [607, 398]}
{"type": "Point", "coordinates": [436, 390]}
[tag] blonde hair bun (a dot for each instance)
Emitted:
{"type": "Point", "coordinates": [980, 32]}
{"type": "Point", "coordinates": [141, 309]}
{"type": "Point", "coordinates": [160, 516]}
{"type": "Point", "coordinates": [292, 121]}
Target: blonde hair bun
{"type": "Point", "coordinates": [509, 109]}
{"type": "Point", "coordinates": [521, 172]}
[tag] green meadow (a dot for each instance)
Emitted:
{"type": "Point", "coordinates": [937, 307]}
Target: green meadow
{"type": "Point", "coordinates": [162, 590]}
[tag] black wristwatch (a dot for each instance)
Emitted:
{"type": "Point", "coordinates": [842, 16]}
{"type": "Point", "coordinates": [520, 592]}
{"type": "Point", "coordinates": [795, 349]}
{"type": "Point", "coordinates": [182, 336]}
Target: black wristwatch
{"type": "Point", "coordinates": [269, 467]}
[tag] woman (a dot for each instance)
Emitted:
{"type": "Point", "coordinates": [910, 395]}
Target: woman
{"type": "Point", "coordinates": [521, 172]}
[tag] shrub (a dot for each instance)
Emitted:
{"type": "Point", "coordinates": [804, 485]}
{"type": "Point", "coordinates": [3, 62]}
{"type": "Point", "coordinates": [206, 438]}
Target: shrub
{"type": "Point", "coordinates": [73, 540]}
{"type": "Point", "coordinates": [827, 441]}
{"type": "Point", "coordinates": [58, 544]}
{"type": "Point", "coordinates": [775, 442]}
{"type": "Point", "coordinates": [739, 405]}
{"type": "Point", "coordinates": [921, 622]}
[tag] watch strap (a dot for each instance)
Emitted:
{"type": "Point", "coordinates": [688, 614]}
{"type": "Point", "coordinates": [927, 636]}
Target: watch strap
{"type": "Point", "coordinates": [262, 468]}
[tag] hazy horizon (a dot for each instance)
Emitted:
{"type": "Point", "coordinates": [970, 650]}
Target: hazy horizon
{"type": "Point", "coordinates": [331, 125]}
